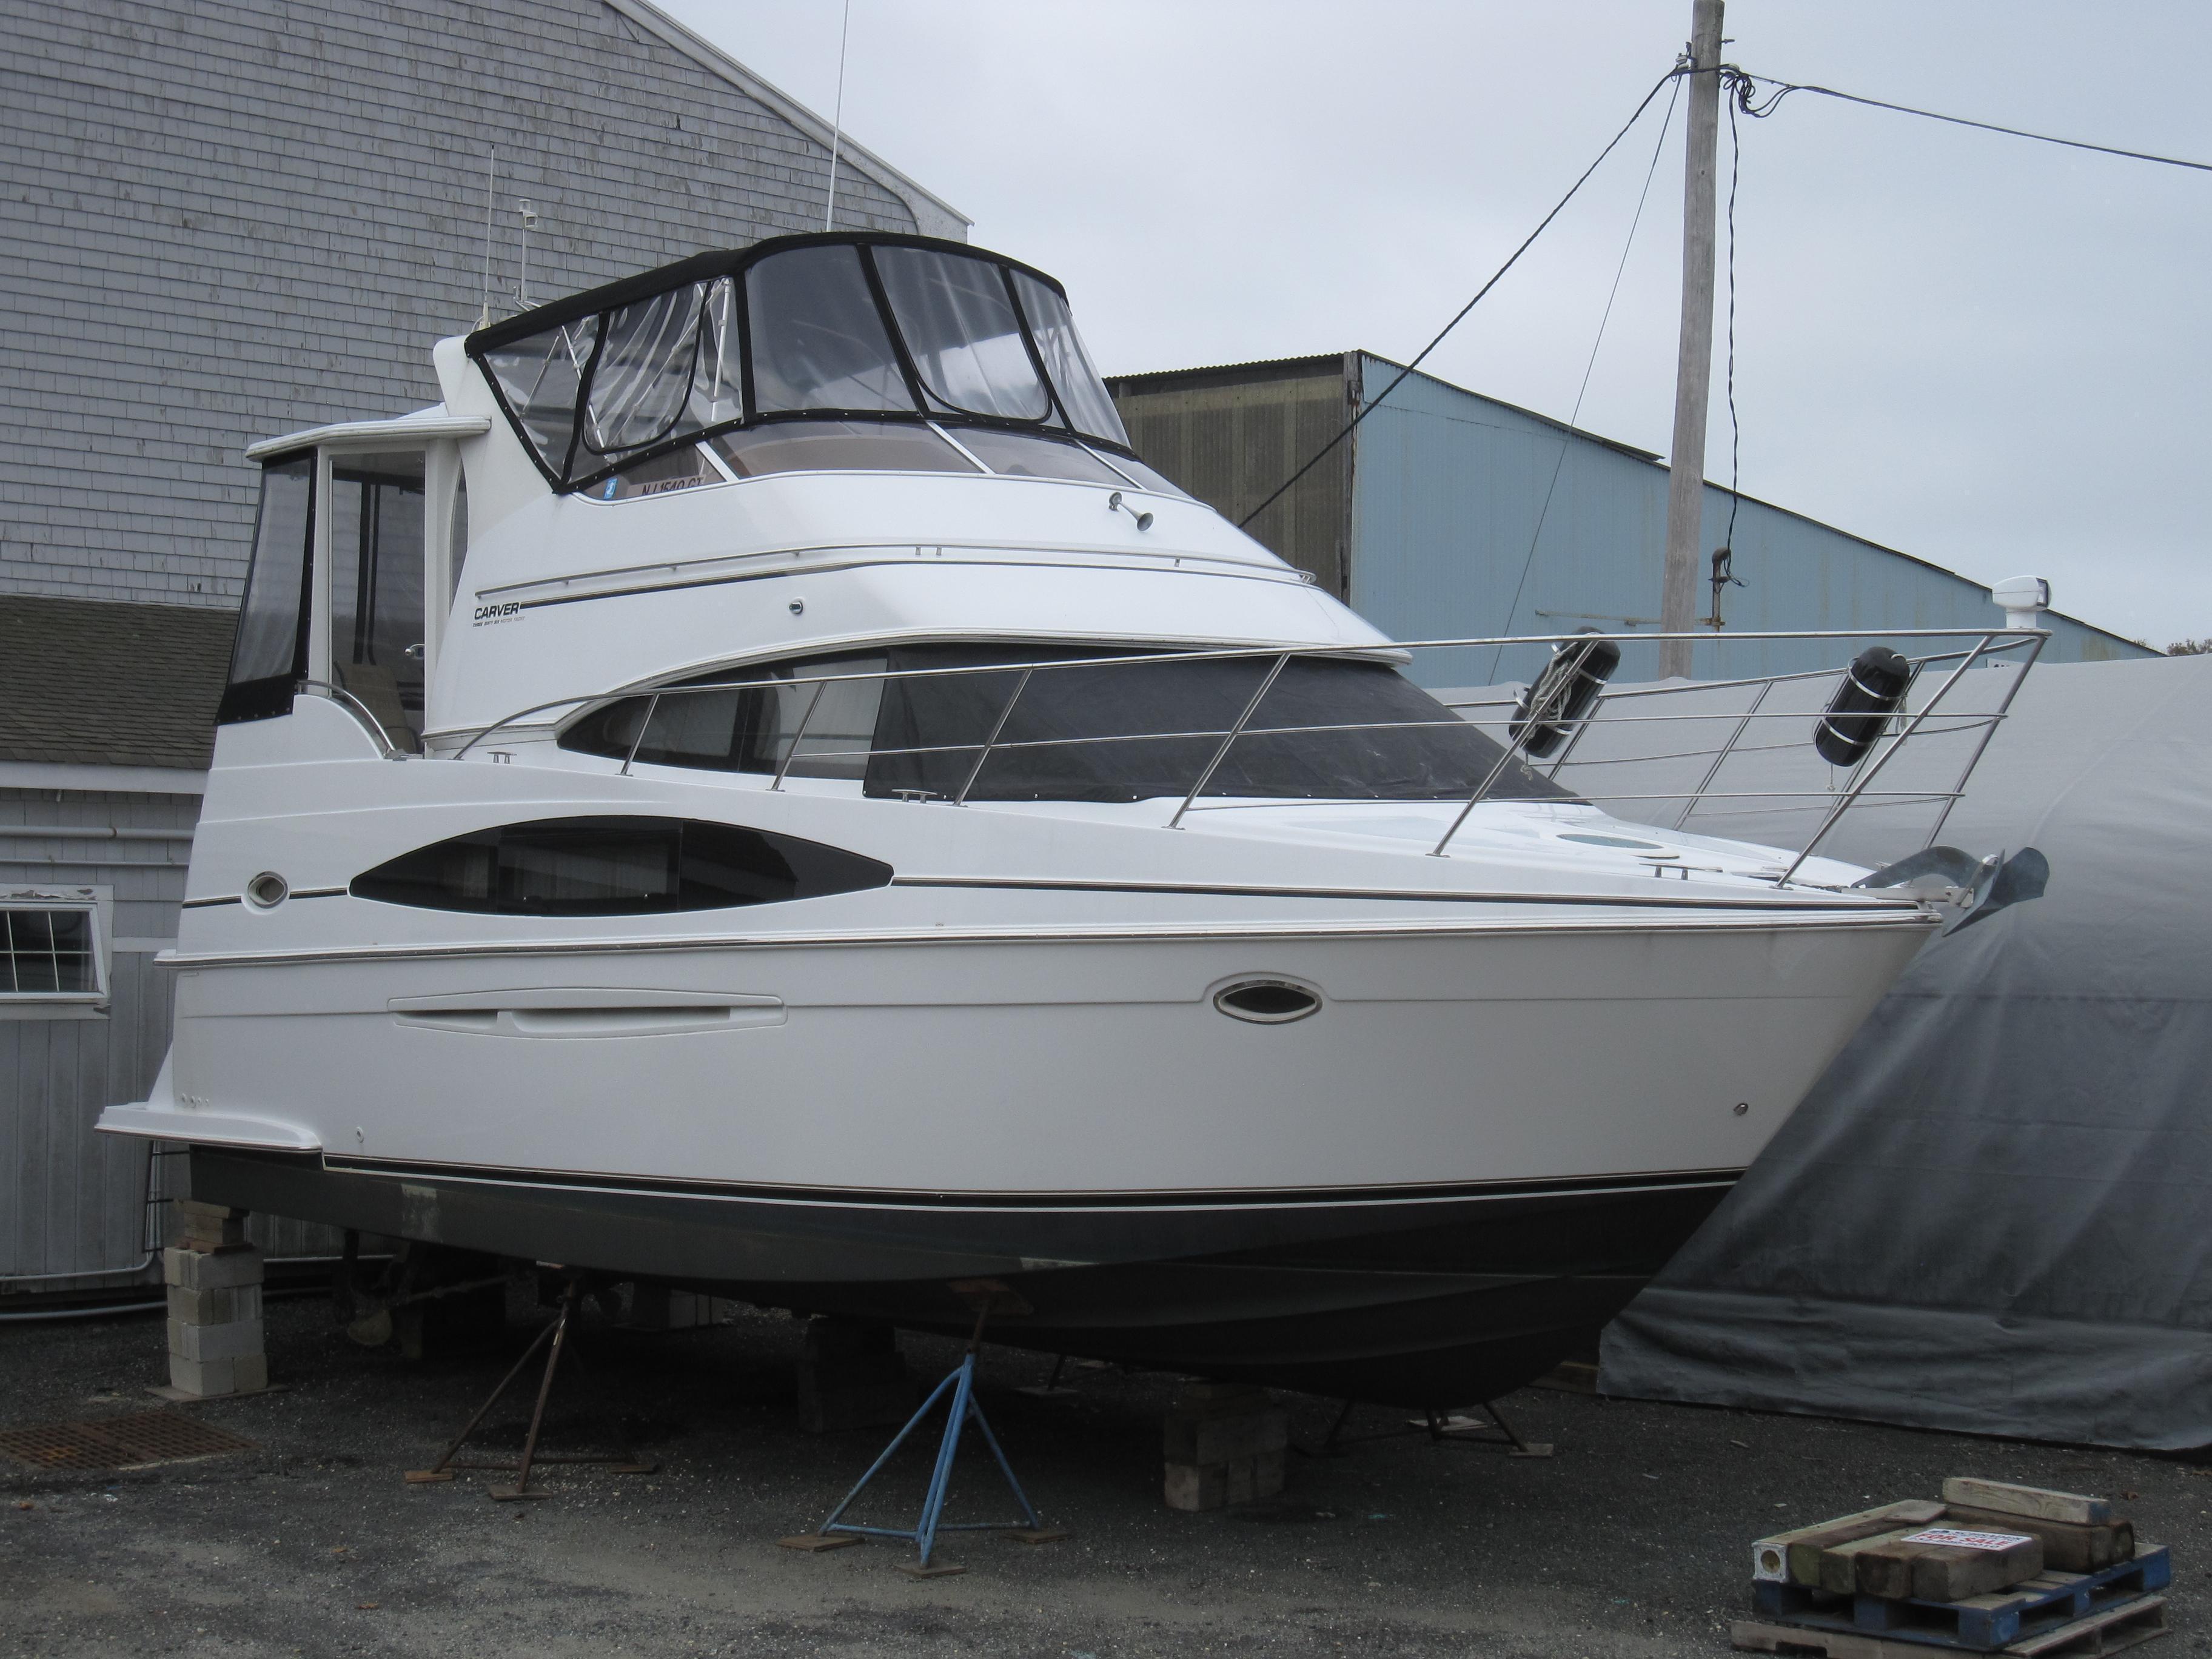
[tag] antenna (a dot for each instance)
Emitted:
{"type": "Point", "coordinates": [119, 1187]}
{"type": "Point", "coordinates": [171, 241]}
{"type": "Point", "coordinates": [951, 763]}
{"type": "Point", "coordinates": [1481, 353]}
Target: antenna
{"type": "Point", "coordinates": [837, 121]}
{"type": "Point", "coordinates": [492, 184]}
{"type": "Point", "coordinates": [528, 210]}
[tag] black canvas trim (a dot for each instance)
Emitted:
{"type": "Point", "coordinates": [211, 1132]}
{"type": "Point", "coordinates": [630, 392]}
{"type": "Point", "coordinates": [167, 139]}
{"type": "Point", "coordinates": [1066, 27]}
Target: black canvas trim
{"type": "Point", "coordinates": [704, 267]}
{"type": "Point", "coordinates": [733, 264]}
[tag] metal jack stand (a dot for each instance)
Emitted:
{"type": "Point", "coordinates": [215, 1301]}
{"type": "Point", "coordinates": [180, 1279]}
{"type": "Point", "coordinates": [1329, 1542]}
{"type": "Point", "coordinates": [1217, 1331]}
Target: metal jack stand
{"type": "Point", "coordinates": [558, 1334]}
{"type": "Point", "coordinates": [986, 1295]}
{"type": "Point", "coordinates": [1454, 1428]}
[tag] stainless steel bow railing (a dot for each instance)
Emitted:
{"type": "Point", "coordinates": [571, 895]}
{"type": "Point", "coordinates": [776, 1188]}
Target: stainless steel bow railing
{"type": "Point", "coordinates": [1617, 710]}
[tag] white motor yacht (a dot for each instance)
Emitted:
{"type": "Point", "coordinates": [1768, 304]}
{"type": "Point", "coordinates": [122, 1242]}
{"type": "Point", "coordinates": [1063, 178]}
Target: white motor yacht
{"type": "Point", "coordinates": [762, 790]}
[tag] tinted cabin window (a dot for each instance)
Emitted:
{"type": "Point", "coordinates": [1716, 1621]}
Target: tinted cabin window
{"type": "Point", "coordinates": [1328, 728]}
{"type": "Point", "coordinates": [748, 727]}
{"type": "Point", "coordinates": [269, 655]}
{"type": "Point", "coordinates": [610, 866]}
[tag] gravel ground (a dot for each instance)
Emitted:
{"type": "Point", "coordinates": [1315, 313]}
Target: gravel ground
{"type": "Point", "coordinates": [1630, 1541]}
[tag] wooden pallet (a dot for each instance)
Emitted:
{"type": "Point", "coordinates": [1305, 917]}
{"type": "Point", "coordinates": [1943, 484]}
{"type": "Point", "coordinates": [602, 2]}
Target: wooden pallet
{"type": "Point", "coordinates": [2127, 1624]}
{"type": "Point", "coordinates": [1980, 1624]}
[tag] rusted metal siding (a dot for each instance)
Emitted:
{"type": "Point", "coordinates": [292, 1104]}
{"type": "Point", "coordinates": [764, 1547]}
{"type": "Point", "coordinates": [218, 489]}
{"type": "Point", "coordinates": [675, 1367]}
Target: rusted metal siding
{"type": "Point", "coordinates": [1231, 436]}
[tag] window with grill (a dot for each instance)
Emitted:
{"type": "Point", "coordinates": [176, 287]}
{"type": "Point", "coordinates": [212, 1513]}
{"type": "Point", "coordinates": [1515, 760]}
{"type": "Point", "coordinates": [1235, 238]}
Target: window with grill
{"type": "Point", "coordinates": [48, 951]}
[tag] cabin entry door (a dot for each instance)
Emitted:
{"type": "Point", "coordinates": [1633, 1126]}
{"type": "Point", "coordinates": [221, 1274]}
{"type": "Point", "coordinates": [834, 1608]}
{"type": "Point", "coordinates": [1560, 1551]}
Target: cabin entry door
{"type": "Point", "coordinates": [378, 570]}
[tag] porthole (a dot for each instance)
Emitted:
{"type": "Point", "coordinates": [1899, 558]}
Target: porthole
{"type": "Point", "coordinates": [267, 891]}
{"type": "Point", "coordinates": [1267, 1001]}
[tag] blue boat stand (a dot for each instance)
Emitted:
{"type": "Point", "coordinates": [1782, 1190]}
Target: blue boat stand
{"type": "Point", "coordinates": [960, 1383]}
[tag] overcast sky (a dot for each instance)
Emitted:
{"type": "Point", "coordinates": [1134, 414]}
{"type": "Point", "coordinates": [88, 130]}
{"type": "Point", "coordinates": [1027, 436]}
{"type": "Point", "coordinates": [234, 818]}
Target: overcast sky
{"type": "Point", "coordinates": [1989, 353]}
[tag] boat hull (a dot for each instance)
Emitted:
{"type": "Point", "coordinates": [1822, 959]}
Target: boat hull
{"type": "Point", "coordinates": [1422, 1299]}
{"type": "Point", "coordinates": [1452, 1175]}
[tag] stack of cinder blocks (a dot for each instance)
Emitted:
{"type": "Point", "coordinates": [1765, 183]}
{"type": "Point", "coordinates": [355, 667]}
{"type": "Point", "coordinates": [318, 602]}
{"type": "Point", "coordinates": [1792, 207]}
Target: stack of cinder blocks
{"type": "Point", "coordinates": [215, 1303]}
{"type": "Point", "coordinates": [851, 1376]}
{"type": "Point", "coordinates": [1224, 1444]}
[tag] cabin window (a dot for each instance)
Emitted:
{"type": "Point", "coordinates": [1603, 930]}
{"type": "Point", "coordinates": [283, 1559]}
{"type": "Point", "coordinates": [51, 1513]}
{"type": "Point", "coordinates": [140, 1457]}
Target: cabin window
{"type": "Point", "coordinates": [269, 656]}
{"type": "Point", "coordinates": [1082, 393]}
{"type": "Point", "coordinates": [1328, 729]}
{"type": "Point", "coordinates": [818, 341]}
{"type": "Point", "coordinates": [610, 866]}
{"type": "Point", "coordinates": [838, 446]}
{"type": "Point", "coordinates": [668, 366]}
{"type": "Point", "coordinates": [961, 331]}
{"type": "Point", "coordinates": [48, 953]}
{"type": "Point", "coordinates": [538, 379]}
{"type": "Point", "coordinates": [1025, 455]}
{"type": "Point", "coordinates": [831, 719]}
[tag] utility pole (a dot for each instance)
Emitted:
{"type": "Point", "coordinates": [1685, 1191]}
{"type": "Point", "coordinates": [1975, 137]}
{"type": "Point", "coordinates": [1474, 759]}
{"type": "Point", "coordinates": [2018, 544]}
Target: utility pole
{"type": "Point", "coordinates": [1693, 368]}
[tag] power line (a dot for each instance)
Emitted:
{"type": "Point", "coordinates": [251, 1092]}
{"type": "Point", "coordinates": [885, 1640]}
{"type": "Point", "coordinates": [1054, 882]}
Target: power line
{"type": "Point", "coordinates": [1742, 79]}
{"type": "Point", "coordinates": [1567, 443]}
{"type": "Point", "coordinates": [1321, 453]}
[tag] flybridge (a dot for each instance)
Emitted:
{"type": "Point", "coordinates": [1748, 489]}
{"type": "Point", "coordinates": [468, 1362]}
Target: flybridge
{"type": "Point", "coordinates": [871, 327]}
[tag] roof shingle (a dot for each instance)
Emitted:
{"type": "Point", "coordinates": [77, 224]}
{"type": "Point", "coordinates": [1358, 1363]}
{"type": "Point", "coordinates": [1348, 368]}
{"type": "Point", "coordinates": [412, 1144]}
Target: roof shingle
{"type": "Point", "coordinates": [97, 682]}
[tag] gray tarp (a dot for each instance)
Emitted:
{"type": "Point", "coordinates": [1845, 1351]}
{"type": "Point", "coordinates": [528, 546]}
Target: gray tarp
{"type": "Point", "coordinates": [1991, 1213]}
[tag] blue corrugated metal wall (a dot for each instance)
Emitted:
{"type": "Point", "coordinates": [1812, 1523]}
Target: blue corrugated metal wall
{"type": "Point", "coordinates": [1448, 488]}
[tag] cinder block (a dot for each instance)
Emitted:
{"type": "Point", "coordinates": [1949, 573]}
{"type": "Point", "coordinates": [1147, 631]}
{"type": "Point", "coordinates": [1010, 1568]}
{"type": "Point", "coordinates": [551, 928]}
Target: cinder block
{"type": "Point", "coordinates": [216, 1306]}
{"type": "Point", "coordinates": [234, 1340]}
{"type": "Point", "coordinates": [1223, 1439]}
{"type": "Point", "coordinates": [1191, 1487]}
{"type": "Point", "coordinates": [212, 1270]}
{"type": "Point", "coordinates": [203, 1376]}
{"type": "Point", "coordinates": [1211, 1485]}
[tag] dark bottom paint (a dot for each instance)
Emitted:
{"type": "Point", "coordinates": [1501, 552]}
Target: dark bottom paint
{"type": "Point", "coordinates": [1440, 1302]}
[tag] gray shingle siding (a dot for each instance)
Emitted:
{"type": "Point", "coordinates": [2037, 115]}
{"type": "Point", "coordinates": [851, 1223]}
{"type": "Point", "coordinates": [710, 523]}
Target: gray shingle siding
{"type": "Point", "coordinates": [222, 221]}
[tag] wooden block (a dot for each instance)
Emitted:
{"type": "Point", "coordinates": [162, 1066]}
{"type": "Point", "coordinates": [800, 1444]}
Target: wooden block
{"type": "Point", "coordinates": [2036, 1501]}
{"type": "Point", "coordinates": [813, 1543]}
{"type": "Point", "coordinates": [2066, 1548]}
{"type": "Point", "coordinates": [1794, 1557]}
{"type": "Point", "coordinates": [1839, 1570]}
{"type": "Point", "coordinates": [2109, 1631]}
{"type": "Point", "coordinates": [1930, 1571]}
{"type": "Point", "coordinates": [208, 1226]}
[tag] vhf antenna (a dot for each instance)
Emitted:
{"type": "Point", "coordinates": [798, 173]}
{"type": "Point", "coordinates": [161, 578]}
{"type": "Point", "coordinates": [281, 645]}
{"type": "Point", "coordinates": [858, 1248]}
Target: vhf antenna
{"type": "Point", "coordinates": [837, 121]}
{"type": "Point", "coordinates": [492, 184]}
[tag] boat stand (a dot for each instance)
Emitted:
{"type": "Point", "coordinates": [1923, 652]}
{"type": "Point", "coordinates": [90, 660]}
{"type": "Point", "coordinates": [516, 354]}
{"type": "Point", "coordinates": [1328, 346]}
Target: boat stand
{"type": "Point", "coordinates": [1441, 1428]}
{"type": "Point", "coordinates": [556, 1334]}
{"type": "Point", "coordinates": [960, 1385]}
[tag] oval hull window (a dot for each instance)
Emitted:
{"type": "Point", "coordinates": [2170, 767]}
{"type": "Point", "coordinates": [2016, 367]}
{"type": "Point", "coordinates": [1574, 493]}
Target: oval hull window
{"type": "Point", "coordinates": [1267, 1001]}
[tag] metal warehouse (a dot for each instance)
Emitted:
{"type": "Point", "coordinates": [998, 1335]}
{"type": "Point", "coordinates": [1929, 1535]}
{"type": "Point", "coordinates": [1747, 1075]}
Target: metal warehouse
{"type": "Point", "coordinates": [1450, 515]}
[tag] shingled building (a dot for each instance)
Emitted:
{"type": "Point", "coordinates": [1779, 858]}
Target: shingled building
{"type": "Point", "coordinates": [221, 222]}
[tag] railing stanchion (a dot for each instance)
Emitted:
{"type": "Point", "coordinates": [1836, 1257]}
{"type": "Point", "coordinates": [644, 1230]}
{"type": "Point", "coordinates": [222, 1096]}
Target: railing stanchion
{"type": "Point", "coordinates": [643, 726]}
{"type": "Point", "coordinates": [1721, 759]}
{"type": "Point", "coordinates": [1235, 733]}
{"type": "Point", "coordinates": [1988, 731]}
{"type": "Point", "coordinates": [991, 742]}
{"type": "Point", "coordinates": [1512, 748]}
{"type": "Point", "coordinates": [792, 753]}
{"type": "Point", "coordinates": [1858, 784]}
